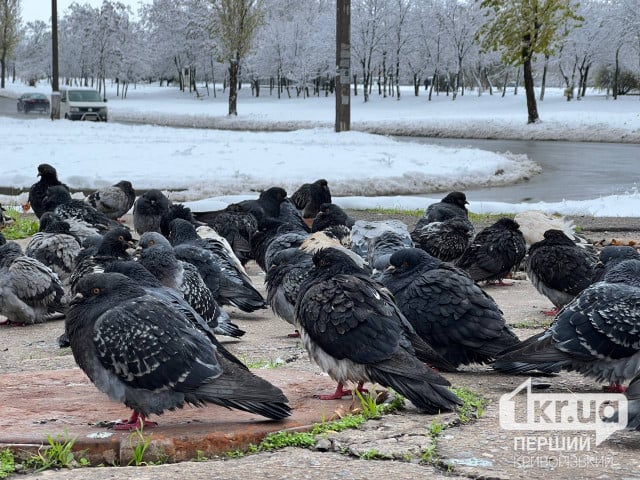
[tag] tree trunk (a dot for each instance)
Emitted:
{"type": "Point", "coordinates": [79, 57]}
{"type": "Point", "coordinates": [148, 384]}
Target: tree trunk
{"type": "Point", "coordinates": [616, 74]}
{"type": "Point", "coordinates": [532, 107]}
{"type": "Point", "coordinates": [355, 84]}
{"type": "Point", "coordinates": [416, 86]}
{"type": "Point", "coordinates": [544, 77]}
{"type": "Point", "coordinates": [584, 80]}
{"type": "Point", "coordinates": [233, 87]}
{"type": "Point", "coordinates": [3, 62]}
{"type": "Point", "coordinates": [433, 82]}
{"type": "Point", "coordinates": [515, 90]}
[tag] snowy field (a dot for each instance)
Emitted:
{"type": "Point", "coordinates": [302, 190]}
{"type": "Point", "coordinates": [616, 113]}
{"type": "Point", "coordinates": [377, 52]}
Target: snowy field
{"type": "Point", "coordinates": [364, 170]}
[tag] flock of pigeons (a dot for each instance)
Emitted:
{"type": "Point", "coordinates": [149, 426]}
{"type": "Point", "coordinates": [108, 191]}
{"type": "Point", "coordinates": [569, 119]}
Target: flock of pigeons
{"type": "Point", "coordinates": [371, 301]}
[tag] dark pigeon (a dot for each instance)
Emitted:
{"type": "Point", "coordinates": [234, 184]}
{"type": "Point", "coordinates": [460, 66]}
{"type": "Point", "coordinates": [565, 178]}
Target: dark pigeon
{"type": "Point", "coordinates": [234, 224]}
{"type": "Point", "coordinates": [596, 334]}
{"type": "Point", "coordinates": [114, 246]}
{"type": "Point", "coordinates": [113, 201]}
{"type": "Point", "coordinates": [289, 214]}
{"type": "Point", "coordinates": [452, 205]}
{"type": "Point", "coordinates": [54, 245]}
{"type": "Point", "coordinates": [331, 215]}
{"type": "Point", "coordinates": [447, 309]}
{"type": "Point", "coordinates": [282, 242]}
{"type": "Point", "coordinates": [559, 268]}
{"type": "Point", "coordinates": [354, 331]}
{"type": "Point", "coordinates": [83, 219]}
{"type": "Point", "coordinates": [446, 240]}
{"type": "Point", "coordinates": [310, 196]}
{"type": "Point", "coordinates": [38, 191]}
{"type": "Point", "coordinates": [158, 257]}
{"type": "Point", "coordinates": [146, 353]}
{"type": "Point", "coordinates": [148, 211]}
{"type": "Point", "coordinates": [29, 291]}
{"type": "Point", "coordinates": [495, 252]}
{"type": "Point", "coordinates": [267, 205]}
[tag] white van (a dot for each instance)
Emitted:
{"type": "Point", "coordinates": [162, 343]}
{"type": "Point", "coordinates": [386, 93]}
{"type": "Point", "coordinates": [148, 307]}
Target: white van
{"type": "Point", "coordinates": [77, 103]}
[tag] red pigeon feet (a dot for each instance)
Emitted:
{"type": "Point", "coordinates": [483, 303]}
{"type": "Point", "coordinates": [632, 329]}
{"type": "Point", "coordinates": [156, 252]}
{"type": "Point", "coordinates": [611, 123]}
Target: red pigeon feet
{"type": "Point", "coordinates": [137, 422]}
{"type": "Point", "coordinates": [338, 394]}
{"type": "Point", "coordinates": [614, 388]}
{"type": "Point", "coordinates": [551, 313]}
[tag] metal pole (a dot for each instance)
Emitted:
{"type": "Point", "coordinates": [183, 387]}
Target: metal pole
{"type": "Point", "coordinates": [343, 65]}
{"type": "Point", "coordinates": [55, 88]}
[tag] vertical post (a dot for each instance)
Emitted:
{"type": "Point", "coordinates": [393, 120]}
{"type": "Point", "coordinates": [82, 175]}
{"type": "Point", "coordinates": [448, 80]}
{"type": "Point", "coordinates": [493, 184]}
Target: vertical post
{"type": "Point", "coordinates": [55, 88]}
{"type": "Point", "coordinates": [343, 65]}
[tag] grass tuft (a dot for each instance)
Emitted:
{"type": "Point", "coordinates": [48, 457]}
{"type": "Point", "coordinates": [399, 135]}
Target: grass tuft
{"type": "Point", "coordinates": [22, 226]}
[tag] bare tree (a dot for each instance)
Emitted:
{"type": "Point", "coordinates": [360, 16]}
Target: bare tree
{"type": "Point", "coordinates": [234, 27]}
{"type": "Point", "coordinates": [9, 23]}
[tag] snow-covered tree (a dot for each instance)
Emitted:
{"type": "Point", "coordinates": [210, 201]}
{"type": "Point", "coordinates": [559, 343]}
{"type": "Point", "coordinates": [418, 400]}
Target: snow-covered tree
{"type": "Point", "coordinates": [9, 30]}
{"type": "Point", "coordinates": [33, 54]}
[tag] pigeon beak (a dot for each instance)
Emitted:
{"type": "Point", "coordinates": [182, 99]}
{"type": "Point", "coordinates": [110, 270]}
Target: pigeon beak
{"type": "Point", "coordinates": [390, 269]}
{"type": "Point", "coordinates": [76, 299]}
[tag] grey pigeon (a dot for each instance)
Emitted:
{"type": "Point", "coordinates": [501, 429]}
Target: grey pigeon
{"type": "Point", "coordinates": [452, 205]}
{"type": "Point", "coordinates": [289, 268]}
{"type": "Point", "coordinates": [447, 309]}
{"type": "Point", "coordinates": [234, 287]}
{"type": "Point", "coordinates": [38, 191]}
{"type": "Point", "coordinates": [148, 211]}
{"type": "Point", "coordinates": [353, 330]}
{"type": "Point", "coordinates": [559, 268]}
{"type": "Point", "coordinates": [310, 196]}
{"type": "Point", "coordinates": [158, 257]}
{"type": "Point", "coordinates": [145, 353]}
{"type": "Point", "coordinates": [54, 245]}
{"type": "Point", "coordinates": [282, 242]}
{"type": "Point", "coordinates": [382, 248]}
{"type": "Point", "coordinates": [596, 334]}
{"type": "Point", "coordinates": [29, 291]}
{"type": "Point", "coordinates": [113, 201]}
{"type": "Point", "coordinates": [447, 239]}
{"type": "Point", "coordinates": [83, 219]}
{"type": "Point", "coordinates": [610, 256]}
{"type": "Point", "coordinates": [495, 252]}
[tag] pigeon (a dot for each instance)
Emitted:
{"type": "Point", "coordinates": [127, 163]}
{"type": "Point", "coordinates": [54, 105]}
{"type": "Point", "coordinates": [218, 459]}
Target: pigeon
{"type": "Point", "coordinates": [177, 210]}
{"type": "Point", "coordinates": [558, 268]}
{"type": "Point", "coordinates": [148, 211]}
{"type": "Point", "coordinates": [235, 286]}
{"type": "Point", "coordinates": [533, 224]}
{"type": "Point", "coordinates": [54, 245]}
{"type": "Point", "coordinates": [310, 196]}
{"type": "Point", "coordinates": [446, 240]}
{"type": "Point", "coordinates": [113, 246]}
{"type": "Point", "coordinates": [113, 201]}
{"type": "Point", "coordinates": [330, 215]}
{"type": "Point", "coordinates": [381, 248]}
{"type": "Point", "coordinates": [595, 334]}
{"type": "Point", "coordinates": [83, 219]}
{"type": "Point", "coordinates": [38, 191]}
{"type": "Point", "coordinates": [226, 287]}
{"type": "Point", "coordinates": [446, 308]}
{"type": "Point", "coordinates": [234, 224]}
{"type": "Point", "coordinates": [268, 231]}
{"type": "Point", "coordinates": [3, 218]}
{"type": "Point", "coordinates": [633, 406]}
{"type": "Point", "coordinates": [495, 252]}
{"type": "Point", "coordinates": [158, 257]}
{"type": "Point", "coordinates": [320, 240]}
{"type": "Point", "coordinates": [267, 205]}
{"type": "Point", "coordinates": [145, 353]}
{"type": "Point", "coordinates": [282, 242]}
{"type": "Point", "coordinates": [289, 214]}
{"type": "Point", "coordinates": [612, 255]}
{"type": "Point", "coordinates": [289, 268]}
{"type": "Point", "coordinates": [353, 330]}
{"type": "Point", "coordinates": [29, 291]}
{"type": "Point", "coordinates": [452, 205]}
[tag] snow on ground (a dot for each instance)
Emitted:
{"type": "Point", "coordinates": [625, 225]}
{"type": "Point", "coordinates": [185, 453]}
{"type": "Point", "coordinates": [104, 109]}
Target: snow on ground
{"type": "Point", "coordinates": [363, 170]}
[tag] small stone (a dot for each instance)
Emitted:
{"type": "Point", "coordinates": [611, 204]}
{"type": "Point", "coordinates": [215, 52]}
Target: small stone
{"type": "Point", "coordinates": [323, 445]}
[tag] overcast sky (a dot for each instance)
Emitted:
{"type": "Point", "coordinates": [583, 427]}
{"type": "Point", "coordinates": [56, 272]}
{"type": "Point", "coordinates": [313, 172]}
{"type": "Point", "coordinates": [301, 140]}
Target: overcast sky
{"type": "Point", "coordinates": [41, 9]}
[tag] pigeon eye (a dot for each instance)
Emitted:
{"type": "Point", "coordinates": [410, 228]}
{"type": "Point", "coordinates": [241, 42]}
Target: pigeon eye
{"type": "Point", "coordinates": [405, 264]}
{"type": "Point", "coordinates": [95, 291]}
{"type": "Point", "coordinates": [121, 238]}
{"type": "Point", "coordinates": [152, 242]}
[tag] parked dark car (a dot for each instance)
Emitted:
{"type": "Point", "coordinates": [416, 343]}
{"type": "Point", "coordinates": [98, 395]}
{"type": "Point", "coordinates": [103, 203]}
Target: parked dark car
{"type": "Point", "coordinates": [29, 102]}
